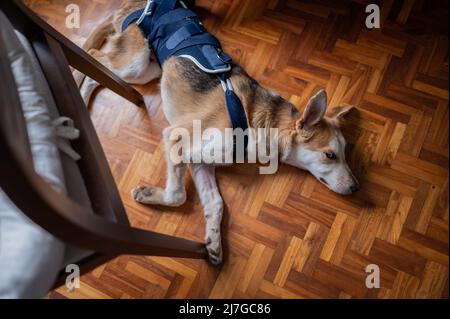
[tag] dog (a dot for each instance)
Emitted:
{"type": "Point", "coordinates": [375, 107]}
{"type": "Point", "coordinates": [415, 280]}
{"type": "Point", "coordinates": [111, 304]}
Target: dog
{"type": "Point", "coordinates": [311, 140]}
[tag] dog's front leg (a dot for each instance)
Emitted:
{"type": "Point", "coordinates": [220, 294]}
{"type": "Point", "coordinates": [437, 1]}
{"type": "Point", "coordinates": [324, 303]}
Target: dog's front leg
{"type": "Point", "coordinates": [174, 194]}
{"type": "Point", "coordinates": [205, 182]}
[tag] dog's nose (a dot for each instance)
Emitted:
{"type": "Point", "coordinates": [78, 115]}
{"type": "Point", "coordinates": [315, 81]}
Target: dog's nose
{"type": "Point", "coordinates": [354, 188]}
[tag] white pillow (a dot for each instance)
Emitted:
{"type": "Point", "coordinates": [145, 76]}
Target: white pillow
{"type": "Point", "coordinates": [30, 258]}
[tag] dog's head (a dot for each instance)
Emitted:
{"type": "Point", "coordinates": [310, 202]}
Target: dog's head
{"type": "Point", "coordinates": [315, 143]}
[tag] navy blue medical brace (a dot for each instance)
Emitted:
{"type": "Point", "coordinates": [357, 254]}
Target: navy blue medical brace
{"type": "Point", "coordinates": [172, 29]}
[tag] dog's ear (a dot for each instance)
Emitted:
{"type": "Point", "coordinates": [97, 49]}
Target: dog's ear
{"type": "Point", "coordinates": [314, 111]}
{"type": "Point", "coordinates": [339, 112]}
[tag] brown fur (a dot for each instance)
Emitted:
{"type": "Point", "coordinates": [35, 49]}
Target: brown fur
{"type": "Point", "coordinates": [189, 94]}
{"type": "Point", "coordinates": [200, 95]}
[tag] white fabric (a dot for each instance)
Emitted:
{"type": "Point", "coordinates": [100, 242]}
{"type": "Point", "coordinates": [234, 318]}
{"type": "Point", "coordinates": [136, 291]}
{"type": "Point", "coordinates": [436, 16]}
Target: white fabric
{"type": "Point", "coordinates": [30, 258]}
{"type": "Point", "coordinates": [65, 131]}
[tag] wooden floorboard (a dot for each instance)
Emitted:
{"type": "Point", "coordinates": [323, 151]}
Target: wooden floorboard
{"type": "Point", "coordinates": [286, 235]}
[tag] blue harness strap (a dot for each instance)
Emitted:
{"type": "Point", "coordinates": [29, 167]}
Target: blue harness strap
{"type": "Point", "coordinates": [131, 18]}
{"type": "Point", "coordinates": [236, 112]}
{"type": "Point", "coordinates": [174, 30]}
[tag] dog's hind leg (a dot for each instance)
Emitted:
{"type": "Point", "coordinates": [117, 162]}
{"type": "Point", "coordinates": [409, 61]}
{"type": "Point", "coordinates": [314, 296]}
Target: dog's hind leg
{"type": "Point", "coordinates": [131, 58]}
{"type": "Point", "coordinates": [206, 184]}
{"type": "Point", "coordinates": [88, 86]}
{"type": "Point", "coordinates": [152, 71]}
{"type": "Point", "coordinates": [174, 194]}
{"type": "Point", "coordinates": [87, 89]}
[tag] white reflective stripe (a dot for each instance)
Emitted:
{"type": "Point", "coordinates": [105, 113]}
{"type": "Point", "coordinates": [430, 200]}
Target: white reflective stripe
{"type": "Point", "coordinates": [145, 13]}
{"type": "Point", "coordinates": [224, 85]}
{"type": "Point", "coordinates": [183, 4]}
{"type": "Point", "coordinates": [230, 86]}
{"type": "Point", "coordinates": [202, 67]}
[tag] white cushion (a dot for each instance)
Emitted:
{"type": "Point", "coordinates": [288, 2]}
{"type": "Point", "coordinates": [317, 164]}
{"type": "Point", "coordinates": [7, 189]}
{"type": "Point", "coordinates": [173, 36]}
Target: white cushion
{"type": "Point", "coordinates": [30, 258]}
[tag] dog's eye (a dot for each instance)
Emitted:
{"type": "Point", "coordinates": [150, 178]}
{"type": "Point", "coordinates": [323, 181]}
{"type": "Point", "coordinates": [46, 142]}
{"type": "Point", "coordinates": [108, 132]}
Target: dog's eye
{"type": "Point", "coordinates": [331, 155]}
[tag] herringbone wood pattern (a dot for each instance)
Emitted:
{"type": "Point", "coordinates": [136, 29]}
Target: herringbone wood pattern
{"type": "Point", "coordinates": [286, 235]}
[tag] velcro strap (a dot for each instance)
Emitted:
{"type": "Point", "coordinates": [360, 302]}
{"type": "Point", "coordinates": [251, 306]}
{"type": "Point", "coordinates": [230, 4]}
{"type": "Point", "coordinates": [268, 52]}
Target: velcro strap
{"type": "Point", "coordinates": [168, 22]}
{"type": "Point", "coordinates": [163, 53]}
{"type": "Point", "coordinates": [183, 34]}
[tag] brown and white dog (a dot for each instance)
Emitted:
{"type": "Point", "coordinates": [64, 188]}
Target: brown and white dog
{"type": "Point", "coordinates": [311, 141]}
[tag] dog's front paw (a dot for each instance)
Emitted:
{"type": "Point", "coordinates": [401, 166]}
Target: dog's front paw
{"type": "Point", "coordinates": [146, 195]}
{"type": "Point", "coordinates": [214, 248]}
{"type": "Point", "coordinates": [140, 193]}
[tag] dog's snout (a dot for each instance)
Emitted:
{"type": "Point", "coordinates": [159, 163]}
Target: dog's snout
{"type": "Point", "coordinates": [354, 188]}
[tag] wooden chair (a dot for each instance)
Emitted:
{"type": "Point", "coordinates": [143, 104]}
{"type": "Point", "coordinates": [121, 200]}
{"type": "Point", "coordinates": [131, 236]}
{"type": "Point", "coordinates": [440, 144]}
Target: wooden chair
{"type": "Point", "coordinates": [105, 228]}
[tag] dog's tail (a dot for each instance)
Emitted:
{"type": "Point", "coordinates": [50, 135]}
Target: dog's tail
{"type": "Point", "coordinates": [95, 41]}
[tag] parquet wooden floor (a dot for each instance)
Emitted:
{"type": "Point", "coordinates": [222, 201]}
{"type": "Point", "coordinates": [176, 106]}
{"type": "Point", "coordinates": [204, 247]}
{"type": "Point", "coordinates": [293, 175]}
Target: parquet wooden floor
{"type": "Point", "coordinates": [286, 236]}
